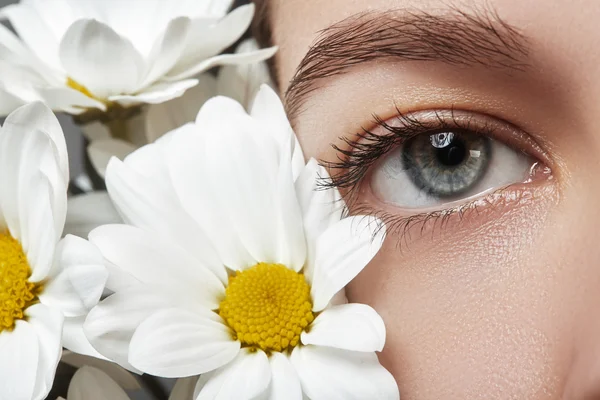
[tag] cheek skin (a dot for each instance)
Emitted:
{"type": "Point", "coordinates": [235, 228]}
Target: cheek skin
{"type": "Point", "coordinates": [476, 310]}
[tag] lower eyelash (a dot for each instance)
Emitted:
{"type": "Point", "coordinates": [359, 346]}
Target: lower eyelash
{"type": "Point", "coordinates": [403, 226]}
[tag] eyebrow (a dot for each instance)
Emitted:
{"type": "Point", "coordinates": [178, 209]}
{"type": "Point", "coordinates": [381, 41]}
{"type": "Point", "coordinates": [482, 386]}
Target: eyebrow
{"type": "Point", "coordinates": [456, 37]}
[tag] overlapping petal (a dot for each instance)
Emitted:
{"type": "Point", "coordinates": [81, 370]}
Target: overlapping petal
{"type": "Point", "coordinates": [342, 251]}
{"type": "Point", "coordinates": [246, 377]}
{"type": "Point", "coordinates": [179, 343]}
{"type": "Point", "coordinates": [332, 374]}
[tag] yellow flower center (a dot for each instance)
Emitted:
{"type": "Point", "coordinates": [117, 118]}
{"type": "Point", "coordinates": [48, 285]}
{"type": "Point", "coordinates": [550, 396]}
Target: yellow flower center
{"type": "Point", "coordinates": [79, 87]}
{"type": "Point", "coordinates": [268, 306]}
{"type": "Point", "coordinates": [16, 292]}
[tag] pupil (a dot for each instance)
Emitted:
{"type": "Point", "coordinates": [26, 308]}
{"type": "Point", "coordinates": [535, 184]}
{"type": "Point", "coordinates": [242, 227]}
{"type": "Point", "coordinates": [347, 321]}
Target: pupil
{"type": "Point", "coordinates": [452, 155]}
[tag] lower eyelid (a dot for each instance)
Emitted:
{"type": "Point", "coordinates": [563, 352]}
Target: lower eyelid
{"type": "Point", "coordinates": [406, 225]}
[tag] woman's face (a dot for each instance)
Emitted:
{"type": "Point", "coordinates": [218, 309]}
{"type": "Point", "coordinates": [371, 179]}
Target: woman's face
{"type": "Point", "coordinates": [485, 164]}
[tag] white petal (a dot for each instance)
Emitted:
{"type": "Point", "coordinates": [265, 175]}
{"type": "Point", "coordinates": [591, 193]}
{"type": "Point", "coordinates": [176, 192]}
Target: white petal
{"type": "Point", "coordinates": [28, 171]}
{"type": "Point", "coordinates": [268, 110]}
{"type": "Point", "coordinates": [41, 117]}
{"type": "Point", "coordinates": [47, 324]}
{"type": "Point", "coordinates": [19, 354]}
{"type": "Point", "coordinates": [121, 376]}
{"type": "Point", "coordinates": [332, 374]}
{"type": "Point", "coordinates": [190, 174]}
{"type": "Point", "coordinates": [34, 31]}
{"type": "Point", "coordinates": [207, 38]}
{"type": "Point", "coordinates": [321, 207]}
{"type": "Point", "coordinates": [175, 343]}
{"type": "Point", "coordinates": [90, 383]}
{"type": "Point", "coordinates": [245, 378]}
{"type": "Point", "coordinates": [222, 113]}
{"type": "Point", "coordinates": [178, 74]}
{"type": "Point", "coordinates": [76, 290]}
{"type": "Point", "coordinates": [37, 116]}
{"type": "Point", "coordinates": [151, 259]}
{"type": "Point", "coordinates": [111, 324]}
{"type": "Point", "coordinates": [253, 177]}
{"type": "Point", "coordinates": [56, 14]}
{"type": "Point", "coordinates": [331, 328]}
{"type": "Point", "coordinates": [97, 57]}
{"type": "Point", "coordinates": [73, 252]}
{"type": "Point", "coordinates": [38, 236]}
{"type": "Point", "coordinates": [142, 192]}
{"type": "Point", "coordinates": [74, 338]}
{"type": "Point", "coordinates": [184, 389]}
{"type": "Point", "coordinates": [101, 151]}
{"type": "Point", "coordinates": [68, 100]}
{"type": "Point", "coordinates": [167, 49]}
{"type": "Point", "coordinates": [9, 101]}
{"type": "Point", "coordinates": [285, 384]}
{"type": "Point", "coordinates": [79, 282]}
{"type": "Point", "coordinates": [342, 252]}
{"type": "Point", "coordinates": [157, 93]}
{"type": "Point", "coordinates": [13, 48]}
{"type": "Point", "coordinates": [242, 82]}
{"type": "Point", "coordinates": [88, 211]}
{"type": "Point", "coordinates": [34, 169]}
{"type": "Point", "coordinates": [164, 117]}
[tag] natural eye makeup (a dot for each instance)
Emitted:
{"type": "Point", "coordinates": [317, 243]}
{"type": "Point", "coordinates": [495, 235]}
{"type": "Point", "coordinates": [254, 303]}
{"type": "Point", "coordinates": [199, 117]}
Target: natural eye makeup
{"type": "Point", "coordinates": [416, 167]}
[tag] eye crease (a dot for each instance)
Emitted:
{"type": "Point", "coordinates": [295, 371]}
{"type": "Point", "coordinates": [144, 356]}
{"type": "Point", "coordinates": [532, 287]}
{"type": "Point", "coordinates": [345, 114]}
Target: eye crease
{"type": "Point", "coordinates": [436, 161]}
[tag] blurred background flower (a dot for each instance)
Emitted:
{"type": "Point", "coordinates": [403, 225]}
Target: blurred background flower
{"type": "Point", "coordinates": [104, 62]}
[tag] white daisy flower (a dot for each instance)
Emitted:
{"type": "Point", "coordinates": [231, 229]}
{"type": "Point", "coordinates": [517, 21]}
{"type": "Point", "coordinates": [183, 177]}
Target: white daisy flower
{"type": "Point", "coordinates": [92, 383]}
{"type": "Point", "coordinates": [78, 55]}
{"type": "Point", "coordinates": [230, 261]}
{"type": "Point", "coordinates": [46, 287]}
{"type": "Point", "coordinates": [240, 82]}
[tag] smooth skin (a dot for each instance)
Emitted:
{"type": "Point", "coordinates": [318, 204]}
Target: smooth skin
{"type": "Point", "coordinates": [504, 302]}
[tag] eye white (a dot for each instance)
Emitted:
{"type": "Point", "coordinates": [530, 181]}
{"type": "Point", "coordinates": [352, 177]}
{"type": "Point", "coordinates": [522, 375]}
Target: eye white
{"type": "Point", "coordinates": [391, 183]}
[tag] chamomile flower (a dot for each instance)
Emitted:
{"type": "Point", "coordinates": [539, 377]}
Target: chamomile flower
{"type": "Point", "coordinates": [46, 287]}
{"type": "Point", "coordinates": [230, 263]}
{"type": "Point", "coordinates": [240, 82]}
{"type": "Point", "coordinates": [81, 55]}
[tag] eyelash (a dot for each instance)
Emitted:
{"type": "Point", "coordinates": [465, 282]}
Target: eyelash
{"type": "Point", "coordinates": [357, 155]}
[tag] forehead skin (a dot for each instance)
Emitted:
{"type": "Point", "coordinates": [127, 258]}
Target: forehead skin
{"type": "Point", "coordinates": [504, 308]}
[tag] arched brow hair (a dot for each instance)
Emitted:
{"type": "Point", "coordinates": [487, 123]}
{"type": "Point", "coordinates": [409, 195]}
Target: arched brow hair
{"type": "Point", "coordinates": [473, 37]}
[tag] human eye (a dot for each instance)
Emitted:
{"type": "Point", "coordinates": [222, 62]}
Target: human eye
{"type": "Point", "coordinates": [435, 162]}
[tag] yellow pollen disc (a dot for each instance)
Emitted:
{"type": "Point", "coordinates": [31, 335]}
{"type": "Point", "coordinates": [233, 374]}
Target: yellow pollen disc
{"type": "Point", "coordinates": [16, 292]}
{"type": "Point", "coordinates": [268, 306]}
